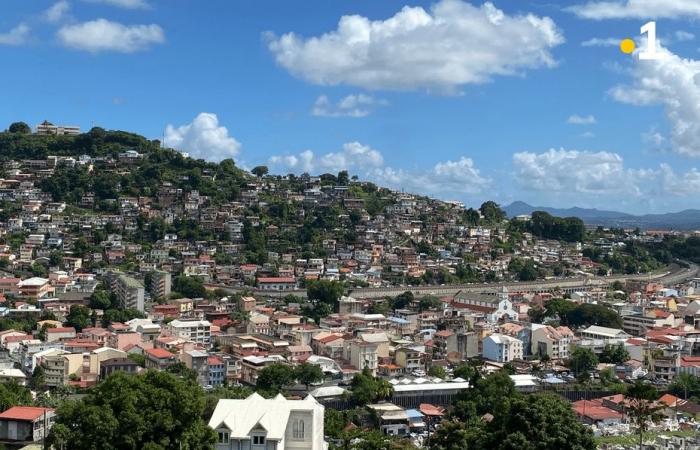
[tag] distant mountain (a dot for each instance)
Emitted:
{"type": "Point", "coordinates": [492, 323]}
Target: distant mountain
{"type": "Point", "coordinates": [688, 219]}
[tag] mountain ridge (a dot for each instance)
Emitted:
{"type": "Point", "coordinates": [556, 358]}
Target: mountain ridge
{"type": "Point", "coordinates": [687, 219]}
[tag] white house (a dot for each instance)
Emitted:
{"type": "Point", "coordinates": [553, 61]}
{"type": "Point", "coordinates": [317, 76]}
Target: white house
{"type": "Point", "coordinates": [502, 348]}
{"type": "Point", "coordinates": [256, 423]}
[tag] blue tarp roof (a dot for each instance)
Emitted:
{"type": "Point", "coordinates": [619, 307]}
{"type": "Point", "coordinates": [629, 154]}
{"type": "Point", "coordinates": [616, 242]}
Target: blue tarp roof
{"type": "Point", "coordinates": [413, 414]}
{"type": "Point", "coordinates": [553, 380]}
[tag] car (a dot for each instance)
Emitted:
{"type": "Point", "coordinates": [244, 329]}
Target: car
{"type": "Point", "coordinates": [418, 373]}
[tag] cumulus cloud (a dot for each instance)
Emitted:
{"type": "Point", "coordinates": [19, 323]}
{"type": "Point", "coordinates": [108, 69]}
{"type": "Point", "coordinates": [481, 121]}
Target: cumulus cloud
{"type": "Point", "coordinates": [352, 156]}
{"type": "Point", "coordinates": [673, 82]}
{"type": "Point", "coordinates": [354, 105]}
{"type": "Point", "coordinates": [586, 172]}
{"type": "Point", "coordinates": [451, 178]}
{"type": "Point", "coordinates": [16, 36]}
{"type": "Point", "coordinates": [103, 35]}
{"type": "Point", "coordinates": [638, 9]}
{"type": "Point", "coordinates": [57, 11]}
{"type": "Point", "coordinates": [128, 4]}
{"type": "Point", "coordinates": [599, 174]}
{"type": "Point", "coordinates": [203, 138]}
{"type": "Point", "coordinates": [451, 45]}
{"type": "Point", "coordinates": [575, 119]}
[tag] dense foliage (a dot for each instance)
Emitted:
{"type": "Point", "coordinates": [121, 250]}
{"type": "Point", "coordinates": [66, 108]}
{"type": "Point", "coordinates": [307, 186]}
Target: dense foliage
{"type": "Point", "coordinates": [154, 411]}
{"type": "Point", "coordinates": [494, 416]}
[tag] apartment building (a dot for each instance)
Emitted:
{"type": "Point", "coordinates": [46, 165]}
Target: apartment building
{"type": "Point", "coordinates": [197, 331]}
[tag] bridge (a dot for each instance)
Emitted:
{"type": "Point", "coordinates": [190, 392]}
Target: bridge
{"type": "Point", "coordinates": [671, 275]}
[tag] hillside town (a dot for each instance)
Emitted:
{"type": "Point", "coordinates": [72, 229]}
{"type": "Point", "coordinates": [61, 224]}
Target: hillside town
{"type": "Point", "coordinates": [301, 292]}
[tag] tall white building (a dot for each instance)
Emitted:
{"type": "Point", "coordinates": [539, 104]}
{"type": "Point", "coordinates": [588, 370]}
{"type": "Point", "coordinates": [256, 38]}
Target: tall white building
{"type": "Point", "coordinates": [198, 331]}
{"type": "Point", "coordinates": [256, 423]}
{"type": "Point", "coordinates": [502, 348]}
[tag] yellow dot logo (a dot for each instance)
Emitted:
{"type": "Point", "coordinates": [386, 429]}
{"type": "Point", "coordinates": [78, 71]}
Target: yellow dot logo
{"type": "Point", "coordinates": [627, 46]}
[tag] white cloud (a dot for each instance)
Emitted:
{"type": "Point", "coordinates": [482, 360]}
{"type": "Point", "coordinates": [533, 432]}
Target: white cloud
{"type": "Point", "coordinates": [57, 11]}
{"type": "Point", "coordinates": [352, 156]}
{"type": "Point", "coordinates": [128, 4]}
{"type": "Point", "coordinates": [354, 105]}
{"type": "Point", "coordinates": [673, 82]}
{"type": "Point", "coordinates": [602, 175]}
{"type": "Point", "coordinates": [452, 44]}
{"type": "Point", "coordinates": [16, 36]}
{"type": "Point", "coordinates": [638, 9]}
{"type": "Point", "coordinates": [572, 171]}
{"type": "Point", "coordinates": [581, 120]}
{"type": "Point", "coordinates": [447, 178]}
{"type": "Point", "coordinates": [601, 42]}
{"type": "Point", "coordinates": [683, 36]}
{"type": "Point", "coordinates": [203, 138]}
{"type": "Point", "coordinates": [102, 35]}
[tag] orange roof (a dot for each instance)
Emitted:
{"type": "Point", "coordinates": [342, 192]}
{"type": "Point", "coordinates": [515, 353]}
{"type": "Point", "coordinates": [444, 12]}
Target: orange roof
{"type": "Point", "coordinates": [431, 410]}
{"type": "Point", "coordinates": [159, 353]}
{"type": "Point", "coordinates": [61, 330]}
{"type": "Point", "coordinates": [214, 361]}
{"type": "Point", "coordinates": [24, 413]}
{"type": "Point", "coordinates": [669, 399]}
{"type": "Point", "coordinates": [594, 411]}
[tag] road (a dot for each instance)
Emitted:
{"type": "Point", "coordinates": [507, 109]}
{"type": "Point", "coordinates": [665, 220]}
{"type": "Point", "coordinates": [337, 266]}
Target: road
{"type": "Point", "coordinates": [672, 275]}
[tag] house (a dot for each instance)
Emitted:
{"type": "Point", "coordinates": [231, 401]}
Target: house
{"type": "Point", "coordinates": [277, 283]}
{"type": "Point", "coordinates": [26, 423]}
{"type": "Point", "coordinates": [158, 358]}
{"type": "Point", "coordinates": [502, 348]}
{"type": "Point", "coordinates": [593, 412]}
{"type": "Point", "coordinates": [270, 424]}
{"type": "Point", "coordinates": [495, 307]}
{"type": "Point", "coordinates": [550, 341]}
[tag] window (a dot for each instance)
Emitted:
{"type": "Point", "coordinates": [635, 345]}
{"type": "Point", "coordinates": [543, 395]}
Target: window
{"type": "Point", "coordinates": [258, 440]}
{"type": "Point", "coordinates": [223, 437]}
{"type": "Point", "coordinates": [298, 429]}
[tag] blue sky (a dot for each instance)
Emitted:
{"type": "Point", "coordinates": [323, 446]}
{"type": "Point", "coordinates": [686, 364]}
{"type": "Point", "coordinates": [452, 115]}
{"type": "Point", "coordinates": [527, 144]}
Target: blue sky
{"type": "Point", "coordinates": [510, 100]}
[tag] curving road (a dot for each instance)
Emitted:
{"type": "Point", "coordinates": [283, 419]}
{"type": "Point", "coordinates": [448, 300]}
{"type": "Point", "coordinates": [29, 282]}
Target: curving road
{"type": "Point", "coordinates": [672, 275]}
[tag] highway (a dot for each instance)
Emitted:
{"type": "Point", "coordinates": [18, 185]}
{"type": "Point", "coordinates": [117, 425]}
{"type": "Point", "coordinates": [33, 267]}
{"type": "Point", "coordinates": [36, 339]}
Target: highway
{"type": "Point", "coordinates": [672, 275]}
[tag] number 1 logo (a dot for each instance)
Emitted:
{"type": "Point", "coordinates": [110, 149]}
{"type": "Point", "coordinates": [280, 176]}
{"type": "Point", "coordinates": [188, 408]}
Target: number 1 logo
{"type": "Point", "coordinates": [650, 52]}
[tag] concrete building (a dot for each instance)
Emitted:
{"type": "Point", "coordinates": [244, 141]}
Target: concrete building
{"type": "Point", "coordinates": [269, 424]}
{"type": "Point", "coordinates": [161, 284]}
{"type": "Point", "coordinates": [551, 341]}
{"type": "Point", "coordinates": [502, 348]}
{"type": "Point", "coordinates": [48, 129]}
{"type": "Point", "coordinates": [129, 291]}
{"type": "Point", "coordinates": [26, 423]}
{"type": "Point", "coordinates": [197, 331]}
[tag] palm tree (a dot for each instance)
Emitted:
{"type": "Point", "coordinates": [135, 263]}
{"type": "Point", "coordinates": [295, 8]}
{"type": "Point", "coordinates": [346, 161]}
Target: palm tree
{"type": "Point", "coordinates": [642, 408]}
{"type": "Point", "coordinates": [384, 389]}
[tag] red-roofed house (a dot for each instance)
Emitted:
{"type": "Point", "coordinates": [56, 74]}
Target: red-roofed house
{"type": "Point", "coordinates": [26, 423]}
{"type": "Point", "coordinates": [593, 412]}
{"type": "Point", "coordinates": [158, 358]}
{"type": "Point", "coordinates": [277, 283]}
{"type": "Point", "coordinates": [58, 333]}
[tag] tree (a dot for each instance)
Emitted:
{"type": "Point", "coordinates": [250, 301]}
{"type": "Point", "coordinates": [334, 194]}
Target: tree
{"type": "Point", "coordinates": [100, 299]}
{"type": "Point", "coordinates": [343, 178]}
{"type": "Point", "coordinates": [20, 128]}
{"type": "Point", "coordinates": [155, 410]}
{"type": "Point", "coordinates": [260, 171]}
{"type": "Point", "coordinates": [429, 302]}
{"type": "Point", "coordinates": [191, 287]}
{"type": "Point", "coordinates": [402, 301]}
{"type": "Point", "coordinates": [366, 388]}
{"type": "Point", "coordinates": [437, 371]}
{"type": "Point", "coordinates": [529, 422]}
{"type": "Point", "coordinates": [583, 361]}
{"type": "Point", "coordinates": [274, 377]}
{"type": "Point", "coordinates": [641, 407]}
{"type": "Point", "coordinates": [325, 291]}
{"type": "Point", "coordinates": [79, 317]}
{"type": "Point", "coordinates": [685, 385]}
{"type": "Point", "coordinates": [307, 374]}
{"type": "Point", "coordinates": [614, 354]}
{"type": "Point", "coordinates": [12, 394]}
{"type": "Point", "coordinates": [491, 212]}
{"type": "Point", "coordinates": [38, 378]}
